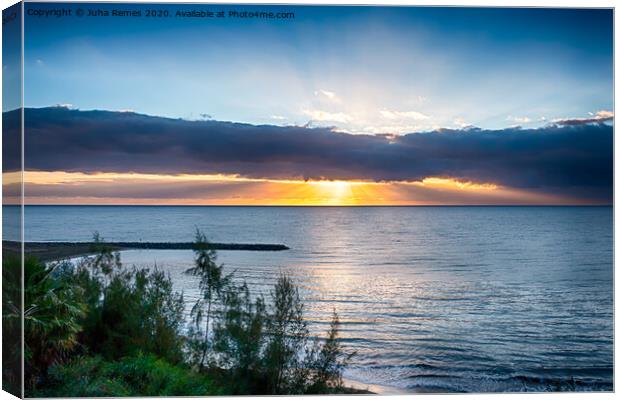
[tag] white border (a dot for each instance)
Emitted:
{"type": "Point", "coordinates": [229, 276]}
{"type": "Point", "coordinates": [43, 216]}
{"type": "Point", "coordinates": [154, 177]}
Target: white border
{"type": "Point", "coordinates": [471, 3]}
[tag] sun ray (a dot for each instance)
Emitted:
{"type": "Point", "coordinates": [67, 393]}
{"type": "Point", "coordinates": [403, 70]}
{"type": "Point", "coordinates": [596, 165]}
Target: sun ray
{"type": "Point", "coordinates": [61, 187]}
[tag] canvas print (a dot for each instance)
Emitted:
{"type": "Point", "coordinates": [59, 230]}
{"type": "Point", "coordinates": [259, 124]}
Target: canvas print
{"type": "Point", "coordinates": [12, 287]}
{"type": "Point", "coordinates": [230, 199]}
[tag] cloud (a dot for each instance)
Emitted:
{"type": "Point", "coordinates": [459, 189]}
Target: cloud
{"type": "Point", "coordinates": [392, 129]}
{"type": "Point", "coordinates": [598, 118]}
{"type": "Point", "coordinates": [327, 94]}
{"type": "Point", "coordinates": [570, 160]}
{"type": "Point", "coordinates": [326, 116]}
{"type": "Point", "coordinates": [461, 123]}
{"type": "Point", "coordinates": [418, 116]}
{"type": "Point", "coordinates": [278, 117]}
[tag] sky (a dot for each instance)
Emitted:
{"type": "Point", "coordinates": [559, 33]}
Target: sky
{"type": "Point", "coordinates": [338, 106]}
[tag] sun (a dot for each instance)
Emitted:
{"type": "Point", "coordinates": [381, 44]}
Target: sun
{"type": "Point", "coordinates": [333, 192]}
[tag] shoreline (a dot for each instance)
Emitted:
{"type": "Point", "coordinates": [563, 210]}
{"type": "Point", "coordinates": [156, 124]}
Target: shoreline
{"type": "Point", "coordinates": [378, 389]}
{"type": "Point", "coordinates": [373, 388]}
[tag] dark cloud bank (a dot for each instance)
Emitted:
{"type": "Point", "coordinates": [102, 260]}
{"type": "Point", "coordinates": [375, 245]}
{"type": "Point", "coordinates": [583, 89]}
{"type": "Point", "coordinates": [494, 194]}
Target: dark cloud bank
{"type": "Point", "coordinates": [568, 159]}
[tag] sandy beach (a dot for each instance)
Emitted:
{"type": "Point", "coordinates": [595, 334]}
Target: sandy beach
{"type": "Point", "coordinates": [381, 389]}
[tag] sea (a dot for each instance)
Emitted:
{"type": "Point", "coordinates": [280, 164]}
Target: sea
{"type": "Point", "coordinates": [448, 299]}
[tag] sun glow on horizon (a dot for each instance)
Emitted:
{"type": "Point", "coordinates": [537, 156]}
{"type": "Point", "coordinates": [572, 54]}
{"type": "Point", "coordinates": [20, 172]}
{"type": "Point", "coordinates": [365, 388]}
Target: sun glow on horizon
{"type": "Point", "coordinates": [61, 187]}
{"type": "Point", "coordinates": [451, 184]}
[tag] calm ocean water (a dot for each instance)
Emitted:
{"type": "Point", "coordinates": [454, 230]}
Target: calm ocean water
{"type": "Point", "coordinates": [448, 298]}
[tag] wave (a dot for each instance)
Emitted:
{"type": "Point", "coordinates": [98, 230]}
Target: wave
{"type": "Point", "coordinates": [430, 378]}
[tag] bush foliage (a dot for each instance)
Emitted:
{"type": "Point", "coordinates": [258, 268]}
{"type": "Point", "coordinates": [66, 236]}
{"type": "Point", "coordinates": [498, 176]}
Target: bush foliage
{"type": "Point", "coordinates": [139, 375]}
{"type": "Point", "coordinates": [98, 328]}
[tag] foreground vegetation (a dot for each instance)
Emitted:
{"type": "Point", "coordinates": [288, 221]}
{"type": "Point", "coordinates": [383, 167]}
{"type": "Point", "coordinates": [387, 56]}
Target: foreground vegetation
{"type": "Point", "coordinates": [98, 328]}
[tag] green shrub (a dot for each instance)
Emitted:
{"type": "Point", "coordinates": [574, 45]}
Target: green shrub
{"type": "Point", "coordinates": [266, 348]}
{"type": "Point", "coordinates": [11, 324]}
{"type": "Point", "coordinates": [326, 362]}
{"type": "Point", "coordinates": [129, 310]}
{"type": "Point", "coordinates": [239, 339]}
{"type": "Point", "coordinates": [52, 312]}
{"type": "Point", "coordinates": [287, 333]}
{"type": "Point", "coordinates": [141, 375]}
{"type": "Point", "coordinates": [212, 285]}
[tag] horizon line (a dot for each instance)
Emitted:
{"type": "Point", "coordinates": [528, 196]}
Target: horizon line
{"type": "Point", "coordinates": [310, 205]}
